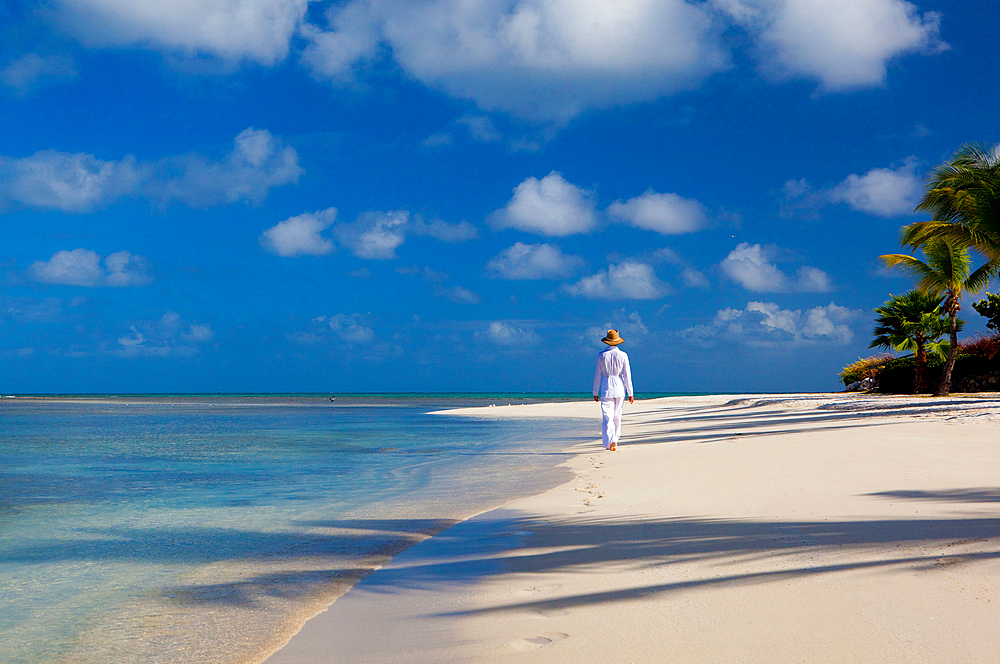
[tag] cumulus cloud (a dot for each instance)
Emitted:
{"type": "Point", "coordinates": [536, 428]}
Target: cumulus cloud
{"type": "Point", "coordinates": [751, 266]}
{"type": "Point", "coordinates": [298, 236]}
{"type": "Point", "coordinates": [544, 60]}
{"type": "Point", "coordinates": [694, 279]}
{"type": "Point", "coordinates": [256, 30]}
{"type": "Point", "coordinates": [258, 162]}
{"type": "Point", "coordinates": [83, 267]}
{"type": "Point", "coordinates": [884, 192]}
{"type": "Point", "coordinates": [533, 261]}
{"type": "Point", "coordinates": [548, 60]}
{"type": "Point", "coordinates": [375, 234]}
{"type": "Point", "coordinates": [508, 334]}
{"type": "Point", "coordinates": [667, 214]}
{"type": "Point", "coordinates": [767, 324]}
{"type": "Point", "coordinates": [627, 280]}
{"type": "Point", "coordinates": [347, 328]}
{"type": "Point", "coordinates": [168, 336]}
{"type": "Point", "coordinates": [540, 59]}
{"type": "Point", "coordinates": [51, 180]}
{"type": "Point", "coordinates": [844, 44]}
{"type": "Point", "coordinates": [550, 206]}
{"type": "Point", "coordinates": [31, 71]}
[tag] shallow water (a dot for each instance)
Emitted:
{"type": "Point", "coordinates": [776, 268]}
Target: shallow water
{"type": "Point", "coordinates": [206, 529]}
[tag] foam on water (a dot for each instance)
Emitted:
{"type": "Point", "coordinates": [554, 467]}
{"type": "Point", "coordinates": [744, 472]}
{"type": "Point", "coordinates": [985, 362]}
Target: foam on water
{"type": "Point", "coordinates": [208, 529]}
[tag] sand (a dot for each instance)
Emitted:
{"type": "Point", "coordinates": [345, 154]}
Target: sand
{"type": "Point", "coordinates": [793, 528]}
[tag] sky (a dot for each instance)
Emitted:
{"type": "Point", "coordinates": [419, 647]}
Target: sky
{"type": "Point", "coordinates": [465, 195]}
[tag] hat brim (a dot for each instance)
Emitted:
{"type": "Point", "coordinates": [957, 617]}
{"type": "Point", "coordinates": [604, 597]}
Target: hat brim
{"type": "Point", "coordinates": [612, 342]}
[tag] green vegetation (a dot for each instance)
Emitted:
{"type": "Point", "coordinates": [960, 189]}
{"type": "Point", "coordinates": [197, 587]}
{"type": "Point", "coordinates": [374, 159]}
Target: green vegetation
{"type": "Point", "coordinates": [913, 322]}
{"type": "Point", "coordinates": [989, 308]}
{"type": "Point", "coordinates": [963, 197]}
{"type": "Point", "coordinates": [944, 273]}
{"type": "Point", "coordinates": [865, 367]}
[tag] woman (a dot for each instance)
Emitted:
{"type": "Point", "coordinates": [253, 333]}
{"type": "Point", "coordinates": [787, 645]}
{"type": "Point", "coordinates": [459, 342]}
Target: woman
{"type": "Point", "coordinates": [612, 383]}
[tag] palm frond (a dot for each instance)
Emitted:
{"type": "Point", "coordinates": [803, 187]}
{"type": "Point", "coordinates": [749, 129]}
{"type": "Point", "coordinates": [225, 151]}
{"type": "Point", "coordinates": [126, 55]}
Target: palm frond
{"type": "Point", "coordinates": [982, 276]}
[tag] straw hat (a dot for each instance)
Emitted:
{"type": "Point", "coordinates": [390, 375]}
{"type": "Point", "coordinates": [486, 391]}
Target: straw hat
{"type": "Point", "coordinates": [612, 339]}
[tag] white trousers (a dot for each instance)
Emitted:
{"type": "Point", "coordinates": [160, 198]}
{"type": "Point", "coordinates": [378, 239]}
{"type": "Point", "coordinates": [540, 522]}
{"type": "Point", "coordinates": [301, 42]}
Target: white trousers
{"type": "Point", "coordinates": [611, 420]}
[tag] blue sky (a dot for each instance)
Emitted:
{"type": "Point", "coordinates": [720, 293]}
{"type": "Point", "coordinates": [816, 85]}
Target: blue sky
{"type": "Point", "coordinates": [463, 195]}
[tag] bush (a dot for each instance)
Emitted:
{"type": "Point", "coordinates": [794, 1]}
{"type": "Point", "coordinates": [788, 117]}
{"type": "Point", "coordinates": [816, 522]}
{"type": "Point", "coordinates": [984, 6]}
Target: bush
{"type": "Point", "coordinates": [971, 373]}
{"type": "Point", "coordinates": [980, 346]}
{"type": "Point", "coordinates": [865, 367]}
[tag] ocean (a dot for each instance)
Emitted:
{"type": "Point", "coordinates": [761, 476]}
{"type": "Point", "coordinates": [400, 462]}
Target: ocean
{"type": "Point", "coordinates": [207, 528]}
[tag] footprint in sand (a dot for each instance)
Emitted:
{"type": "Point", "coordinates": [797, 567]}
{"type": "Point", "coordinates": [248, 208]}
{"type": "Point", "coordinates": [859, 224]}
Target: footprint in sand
{"type": "Point", "coordinates": [540, 641]}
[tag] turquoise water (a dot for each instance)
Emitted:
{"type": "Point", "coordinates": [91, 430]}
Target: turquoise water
{"type": "Point", "coordinates": [205, 528]}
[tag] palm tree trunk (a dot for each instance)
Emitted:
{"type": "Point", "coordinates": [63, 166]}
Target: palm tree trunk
{"type": "Point", "coordinates": [944, 387]}
{"type": "Point", "coordinates": [919, 367]}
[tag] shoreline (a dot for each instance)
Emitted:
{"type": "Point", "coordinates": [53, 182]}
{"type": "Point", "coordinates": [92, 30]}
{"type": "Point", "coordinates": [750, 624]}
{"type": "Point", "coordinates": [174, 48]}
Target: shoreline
{"type": "Point", "coordinates": [764, 507]}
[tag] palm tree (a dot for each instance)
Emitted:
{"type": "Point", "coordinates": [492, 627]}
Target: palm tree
{"type": "Point", "coordinates": [912, 322]}
{"type": "Point", "coordinates": [963, 197]}
{"type": "Point", "coordinates": [945, 273]}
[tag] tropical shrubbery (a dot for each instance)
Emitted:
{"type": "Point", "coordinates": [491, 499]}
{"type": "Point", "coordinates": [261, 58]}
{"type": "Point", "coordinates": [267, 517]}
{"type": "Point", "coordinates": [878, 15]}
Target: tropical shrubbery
{"type": "Point", "coordinates": [977, 362]}
{"type": "Point", "coordinates": [963, 197]}
{"type": "Point", "coordinates": [865, 367]}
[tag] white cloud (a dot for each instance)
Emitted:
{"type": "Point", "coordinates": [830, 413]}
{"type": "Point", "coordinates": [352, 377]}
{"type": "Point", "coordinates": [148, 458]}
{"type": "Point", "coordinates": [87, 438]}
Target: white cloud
{"type": "Point", "coordinates": [533, 261]}
{"type": "Point", "coordinates": [258, 162]}
{"type": "Point", "coordinates": [257, 30]}
{"type": "Point", "coordinates": [31, 71]}
{"type": "Point", "coordinates": [540, 59]}
{"type": "Point", "coordinates": [375, 235]}
{"type": "Point", "coordinates": [347, 328]}
{"type": "Point", "coordinates": [548, 60]}
{"type": "Point", "coordinates": [82, 267]}
{"type": "Point", "coordinates": [694, 279]}
{"type": "Point", "coordinates": [67, 182]}
{"type": "Point", "coordinates": [444, 231]}
{"type": "Point", "coordinates": [167, 337]}
{"type": "Point", "coordinates": [80, 182]}
{"type": "Point", "coordinates": [884, 192]}
{"type": "Point", "coordinates": [125, 269]}
{"type": "Point", "coordinates": [544, 60]}
{"type": "Point", "coordinates": [629, 281]}
{"type": "Point", "coordinates": [507, 334]}
{"type": "Point", "coordinates": [844, 44]}
{"type": "Point", "coordinates": [667, 214]}
{"type": "Point", "coordinates": [767, 324]}
{"type": "Point", "coordinates": [750, 266]}
{"type": "Point", "coordinates": [458, 294]}
{"type": "Point", "coordinates": [550, 206]}
{"type": "Point", "coordinates": [300, 235]}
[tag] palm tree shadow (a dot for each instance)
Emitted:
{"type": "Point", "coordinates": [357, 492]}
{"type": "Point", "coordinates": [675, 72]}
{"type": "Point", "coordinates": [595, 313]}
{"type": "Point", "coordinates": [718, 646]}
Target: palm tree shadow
{"type": "Point", "coordinates": [765, 417]}
{"type": "Point", "coordinates": [547, 548]}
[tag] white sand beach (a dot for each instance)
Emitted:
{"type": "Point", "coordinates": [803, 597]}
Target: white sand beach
{"type": "Point", "coordinates": [768, 528]}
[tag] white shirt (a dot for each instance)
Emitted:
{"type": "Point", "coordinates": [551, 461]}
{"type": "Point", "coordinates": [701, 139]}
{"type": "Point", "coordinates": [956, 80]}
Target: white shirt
{"type": "Point", "coordinates": [613, 377]}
